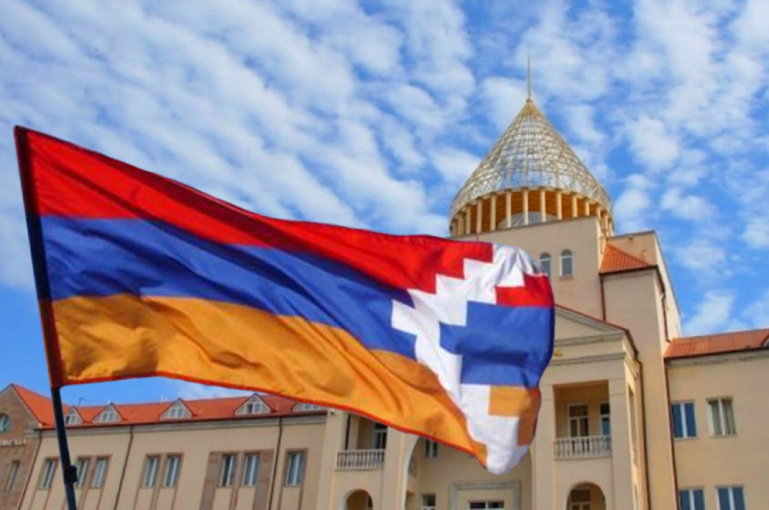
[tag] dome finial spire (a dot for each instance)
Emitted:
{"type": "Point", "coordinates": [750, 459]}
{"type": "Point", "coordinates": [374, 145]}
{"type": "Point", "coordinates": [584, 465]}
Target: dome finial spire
{"type": "Point", "coordinates": [528, 77]}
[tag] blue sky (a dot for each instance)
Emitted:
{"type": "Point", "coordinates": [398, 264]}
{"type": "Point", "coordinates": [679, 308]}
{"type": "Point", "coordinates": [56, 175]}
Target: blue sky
{"type": "Point", "coordinates": [372, 114]}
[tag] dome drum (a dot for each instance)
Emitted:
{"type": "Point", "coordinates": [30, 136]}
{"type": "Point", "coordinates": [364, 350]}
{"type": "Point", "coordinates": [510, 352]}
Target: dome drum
{"type": "Point", "coordinates": [522, 207]}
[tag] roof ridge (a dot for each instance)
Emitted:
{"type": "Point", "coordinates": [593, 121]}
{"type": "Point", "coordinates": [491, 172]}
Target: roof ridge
{"type": "Point", "coordinates": [740, 332]}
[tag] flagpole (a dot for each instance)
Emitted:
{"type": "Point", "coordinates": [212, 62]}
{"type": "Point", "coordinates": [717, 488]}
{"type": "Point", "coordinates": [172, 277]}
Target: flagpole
{"type": "Point", "coordinates": [42, 284]}
{"type": "Point", "coordinates": [68, 470]}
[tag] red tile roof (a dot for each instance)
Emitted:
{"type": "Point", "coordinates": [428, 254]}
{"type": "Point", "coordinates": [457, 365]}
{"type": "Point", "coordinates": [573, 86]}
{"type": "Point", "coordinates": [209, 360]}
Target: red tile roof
{"type": "Point", "coordinates": [717, 344]}
{"type": "Point", "coordinates": [616, 260]}
{"type": "Point", "coordinates": [39, 405]}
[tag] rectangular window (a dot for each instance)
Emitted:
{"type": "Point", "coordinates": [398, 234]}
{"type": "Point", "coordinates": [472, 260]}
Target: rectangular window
{"type": "Point", "coordinates": [48, 471]}
{"type": "Point", "coordinates": [250, 469]}
{"type": "Point", "coordinates": [82, 471]}
{"type": "Point", "coordinates": [227, 473]}
{"type": "Point", "coordinates": [578, 424]}
{"type": "Point", "coordinates": [295, 469]}
{"type": "Point", "coordinates": [151, 471]}
{"type": "Point", "coordinates": [431, 449]}
{"type": "Point", "coordinates": [605, 418]}
{"type": "Point", "coordinates": [691, 499]}
{"type": "Point", "coordinates": [731, 498]}
{"type": "Point", "coordinates": [721, 417]}
{"type": "Point", "coordinates": [100, 473]}
{"type": "Point", "coordinates": [173, 462]}
{"type": "Point", "coordinates": [487, 505]}
{"type": "Point", "coordinates": [379, 441]}
{"type": "Point", "coordinates": [428, 501]}
{"type": "Point", "coordinates": [11, 481]}
{"type": "Point", "coordinates": [684, 424]}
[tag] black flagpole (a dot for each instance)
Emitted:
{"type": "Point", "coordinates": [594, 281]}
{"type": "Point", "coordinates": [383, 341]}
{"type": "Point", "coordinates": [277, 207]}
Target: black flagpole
{"type": "Point", "coordinates": [37, 247]}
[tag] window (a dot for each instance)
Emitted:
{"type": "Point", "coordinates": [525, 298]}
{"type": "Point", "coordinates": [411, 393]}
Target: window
{"type": "Point", "coordinates": [72, 418]}
{"type": "Point", "coordinates": [176, 411]}
{"type": "Point", "coordinates": [82, 471]}
{"type": "Point", "coordinates": [428, 501]}
{"type": "Point", "coordinates": [5, 423]}
{"type": "Point", "coordinates": [9, 483]}
{"type": "Point", "coordinates": [544, 261]}
{"type": "Point", "coordinates": [295, 470]}
{"type": "Point", "coordinates": [691, 499]}
{"type": "Point", "coordinates": [253, 405]}
{"type": "Point", "coordinates": [379, 440]}
{"type": "Point", "coordinates": [580, 499]}
{"type": "Point", "coordinates": [227, 473]}
{"type": "Point", "coordinates": [306, 407]}
{"type": "Point", "coordinates": [99, 473]}
{"type": "Point", "coordinates": [683, 420]}
{"type": "Point", "coordinates": [605, 411]}
{"type": "Point", "coordinates": [484, 505]}
{"type": "Point", "coordinates": [48, 471]}
{"type": "Point", "coordinates": [109, 415]}
{"type": "Point", "coordinates": [731, 498]}
{"type": "Point", "coordinates": [567, 267]}
{"type": "Point", "coordinates": [431, 449]}
{"type": "Point", "coordinates": [151, 471]}
{"type": "Point", "coordinates": [172, 470]}
{"type": "Point", "coordinates": [250, 469]}
{"type": "Point", "coordinates": [578, 420]}
{"type": "Point", "coordinates": [721, 417]}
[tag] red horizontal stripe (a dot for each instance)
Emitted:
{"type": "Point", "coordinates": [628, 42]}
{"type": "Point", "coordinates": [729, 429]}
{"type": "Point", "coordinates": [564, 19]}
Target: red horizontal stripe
{"type": "Point", "coordinates": [536, 291]}
{"type": "Point", "coordinates": [72, 181]}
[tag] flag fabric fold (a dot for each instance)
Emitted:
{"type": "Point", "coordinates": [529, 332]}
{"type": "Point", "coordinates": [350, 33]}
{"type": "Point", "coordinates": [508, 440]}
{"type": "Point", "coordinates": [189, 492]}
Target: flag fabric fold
{"type": "Point", "coordinates": [138, 275]}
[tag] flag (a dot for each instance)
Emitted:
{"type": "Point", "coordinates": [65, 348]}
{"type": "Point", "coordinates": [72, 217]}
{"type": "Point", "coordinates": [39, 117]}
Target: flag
{"type": "Point", "coordinates": [138, 275]}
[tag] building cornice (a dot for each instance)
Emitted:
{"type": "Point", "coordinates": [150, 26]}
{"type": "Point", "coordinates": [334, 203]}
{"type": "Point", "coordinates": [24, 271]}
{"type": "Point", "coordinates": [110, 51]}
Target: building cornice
{"type": "Point", "coordinates": [718, 358]}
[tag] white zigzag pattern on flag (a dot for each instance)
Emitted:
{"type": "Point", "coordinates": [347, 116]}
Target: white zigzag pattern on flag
{"type": "Point", "coordinates": [448, 305]}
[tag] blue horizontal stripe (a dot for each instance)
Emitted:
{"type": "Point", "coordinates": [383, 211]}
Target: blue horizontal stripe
{"type": "Point", "coordinates": [100, 257]}
{"type": "Point", "coordinates": [103, 257]}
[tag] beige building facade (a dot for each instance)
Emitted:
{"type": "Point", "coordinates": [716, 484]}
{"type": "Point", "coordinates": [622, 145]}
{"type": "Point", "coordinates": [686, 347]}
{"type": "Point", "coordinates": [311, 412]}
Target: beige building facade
{"type": "Point", "coordinates": [633, 417]}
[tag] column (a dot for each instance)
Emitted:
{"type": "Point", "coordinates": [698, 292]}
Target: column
{"type": "Point", "coordinates": [509, 208]}
{"type": "Point", "coordinates": [587, 207]}
{"type": "Point", "coordinates": [493, 212]}
{"type": "Point", "coordinates": [621, 445]}
{"type": "Point", "coordinates": [559, 204]}
{"type": "Point", "coordinates": [573, 205]}
{"type": "Point", "coordinates": [543, 463]}
{"type": "Point", "coordinates": [542, 208]}
{"type": "Point", "coordinates": [478, 216]}
{"type": "Point", "coordinates": [525, 206]}
{"type": "Point", "coordinates": [467, 219]}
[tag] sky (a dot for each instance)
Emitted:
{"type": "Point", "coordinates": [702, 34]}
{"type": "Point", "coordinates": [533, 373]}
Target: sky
{"type": "Point", "coordinates": [372, 114]}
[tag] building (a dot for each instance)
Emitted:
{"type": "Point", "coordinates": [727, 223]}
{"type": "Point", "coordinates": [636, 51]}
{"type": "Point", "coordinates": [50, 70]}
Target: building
{"type": "Point", "coordinates": [633, 417]}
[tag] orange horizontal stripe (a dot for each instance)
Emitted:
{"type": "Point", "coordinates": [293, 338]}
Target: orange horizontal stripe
{"type": "Point", "coordinates": [125, 336]}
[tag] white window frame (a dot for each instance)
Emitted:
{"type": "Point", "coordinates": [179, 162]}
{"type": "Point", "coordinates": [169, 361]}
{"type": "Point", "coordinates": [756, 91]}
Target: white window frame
{"type": "Point", "coordinates": [681, 407]}
{"type": "Point", "coordinates": [72, 418]}
{"type": "Point", "coordinates": [250, 469]}
{"type": "Point", "coordinates": [100, 472]}
{"type": "Point", "coordinates": [151, 468]}
{"type": "Point", "coordinates": [431, 449]}
{"type": "Point", "coordinates": [12, 475]}
{"type": "Point", "coordinates": [567, 254]}
{"type": "Point", "coordinates": [425, 505]}
{"type": "Point", "coordinates": [227, 470]}
{"type": "Point", "coordinates": [603, 416]}
{"type": "Point", "coordinates": [173, 467]}
{"type": "Point", "coordinates": [252, 406]}
{"type": "Point", "coordinates": [581, 504]}
{"type": "Point", "coordinates": [83, 465]}
{"type": "Point", "coordinates": [732, 504]}
{"type": "Point", "coordinates": [379, 436]}
{"type": "Point", "coordinates": [177, 411]}
{"type": "Point", "coordinates": [486, 505]}
{"type": "Point", "coordinates": [108, 415]}
{"type": "Point", "coordinates": [305, 407]}
{"type": "Point", "coordinates": [295, 468]}
{"type": "Point", "coordinates": [5, 423]}
{"type": "Point", "coordinates": [722, 417]}
{"type": "Point", "coordinates": [545, 257]}
{"type": "Point", "coordinates": [689, 491]}
{"type": "Point", "coordinates": [49, 470]}
{"type": "Point", "coordinates": [570, 418]}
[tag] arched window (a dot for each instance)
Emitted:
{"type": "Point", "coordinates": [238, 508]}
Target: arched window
{"type": "Point", "coordinates": [544, 261]}
{"type": "Point", "coordinates": [5, 423]}
{"type": "Point", "coordinates": [567, 265]}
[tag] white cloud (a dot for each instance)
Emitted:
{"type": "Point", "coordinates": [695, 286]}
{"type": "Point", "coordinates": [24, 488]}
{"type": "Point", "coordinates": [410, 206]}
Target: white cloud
{"type": "Point", "coordinates": [652, 143]}
{"type": "Point", "coordinates": [632, 207]}
{"type": "Point", "coordinates": [756, 232]}
{"type": "Point", "coordinates": [194, 391]}
{"type": "Point", "coordinates": [454, 165]}
{"type": "Point", "coordinates": [502, 98]}
{"type": "Point", "coordinates": [688, 207]}
{"type": "Point", "coordinates": [702, 256]}
{"type": "Point", "coordinates": [712, 315]}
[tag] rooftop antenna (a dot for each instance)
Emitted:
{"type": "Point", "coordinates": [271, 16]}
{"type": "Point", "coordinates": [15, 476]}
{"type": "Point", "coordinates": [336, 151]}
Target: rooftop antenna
{"type": "Point", "coordinates": [528, 78]}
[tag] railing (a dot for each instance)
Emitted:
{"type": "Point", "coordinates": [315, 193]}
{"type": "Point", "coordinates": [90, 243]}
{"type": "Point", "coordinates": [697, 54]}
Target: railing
{"type": "Point", "coordinates": [582, 447]}
{"type": "Point", "coordinates": [360, 459]}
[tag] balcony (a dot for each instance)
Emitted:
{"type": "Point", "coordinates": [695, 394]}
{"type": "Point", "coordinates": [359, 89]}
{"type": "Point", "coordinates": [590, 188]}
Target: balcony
{"type": "Point", "coordinates": [351, 460]}
{"type": "Point", "coordinates": [586, 447]}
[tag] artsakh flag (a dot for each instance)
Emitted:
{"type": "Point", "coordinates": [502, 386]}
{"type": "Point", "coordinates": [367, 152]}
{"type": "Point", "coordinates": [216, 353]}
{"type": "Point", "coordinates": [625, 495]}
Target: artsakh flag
{"type": "Point", "coordinates": [138, 275]}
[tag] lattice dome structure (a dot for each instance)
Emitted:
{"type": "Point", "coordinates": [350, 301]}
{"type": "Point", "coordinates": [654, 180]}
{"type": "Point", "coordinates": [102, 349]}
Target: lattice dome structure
{"type": "Point", "coordinates": [531, 175]}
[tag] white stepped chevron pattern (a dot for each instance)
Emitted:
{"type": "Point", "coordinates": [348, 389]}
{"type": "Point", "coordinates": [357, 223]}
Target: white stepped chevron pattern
{"type": "Point", "coordinates": [448, 305]}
